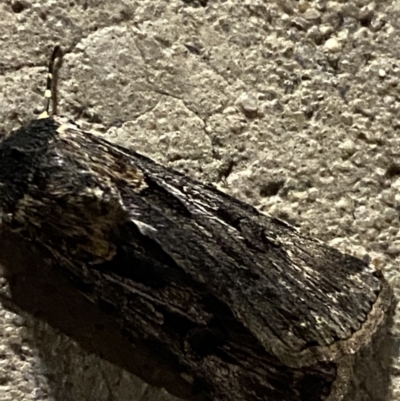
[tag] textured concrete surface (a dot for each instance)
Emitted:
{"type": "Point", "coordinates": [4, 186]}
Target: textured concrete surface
{"type": "Point", "coordinates": [292, 106]}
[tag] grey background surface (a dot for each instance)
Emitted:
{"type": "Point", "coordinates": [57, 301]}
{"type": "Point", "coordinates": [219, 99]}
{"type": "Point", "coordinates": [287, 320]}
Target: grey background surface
{"type": "Point", "coordinates": [292, 106]}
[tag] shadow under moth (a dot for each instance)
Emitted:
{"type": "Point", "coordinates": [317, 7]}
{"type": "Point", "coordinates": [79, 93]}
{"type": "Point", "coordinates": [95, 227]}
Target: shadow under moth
{"type": "Point", "coordinates": [215, 300]}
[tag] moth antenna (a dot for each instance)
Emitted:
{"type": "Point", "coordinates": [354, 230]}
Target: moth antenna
{"type": "Point", "coordinates": [50, 93]}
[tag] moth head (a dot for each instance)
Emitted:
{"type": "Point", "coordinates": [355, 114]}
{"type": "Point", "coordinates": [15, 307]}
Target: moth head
{"type": "Point", "coordinates": [20, 150]}
{"type": "Point", "coordinates": [19, 154]}
{"type": "Point", "coordinates": [14, 172]}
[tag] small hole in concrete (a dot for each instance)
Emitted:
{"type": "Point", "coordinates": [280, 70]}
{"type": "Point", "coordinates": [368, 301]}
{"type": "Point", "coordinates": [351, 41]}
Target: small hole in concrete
{"type": "Point", "coordinates": [17, 7]}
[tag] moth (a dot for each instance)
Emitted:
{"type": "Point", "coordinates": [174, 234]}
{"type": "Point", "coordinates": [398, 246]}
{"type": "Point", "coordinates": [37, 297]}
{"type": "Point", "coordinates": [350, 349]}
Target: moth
{"type": "Point", "coordinates": [233, 304]}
